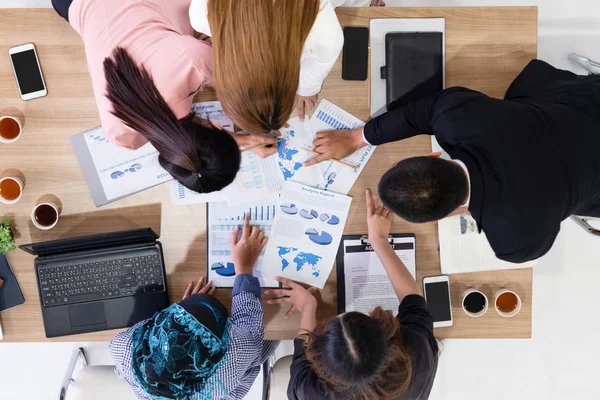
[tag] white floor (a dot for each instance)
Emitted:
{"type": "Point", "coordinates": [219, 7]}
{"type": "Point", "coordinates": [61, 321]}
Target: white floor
{"type": "Point", "coordinates": [559, 362]}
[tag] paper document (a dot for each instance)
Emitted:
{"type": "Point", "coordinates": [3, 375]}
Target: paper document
{"type": "Point", "coordinates": [328, 175]}
{"type": "Point", "coordinates": [113, 172]}
{"type": "Point", "coordinates": [212, 110]}
{"type": "Point", "coordinates": [462, 247]}
{"type": "Point", "coordinates": [306, 233]}
{"type": "Point", "coordinates": [180, 195]}
{"type": "Point", "coordinates": [258, 179]}
{"type": "Point", "coordinates": [366, 283]}
{"type": "Point", "coordinates": [222, 220]}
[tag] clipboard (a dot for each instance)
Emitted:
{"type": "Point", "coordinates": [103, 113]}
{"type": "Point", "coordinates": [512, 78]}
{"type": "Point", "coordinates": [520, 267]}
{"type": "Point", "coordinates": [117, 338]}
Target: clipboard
{"type": "Point", "coordinates": [365, 247]}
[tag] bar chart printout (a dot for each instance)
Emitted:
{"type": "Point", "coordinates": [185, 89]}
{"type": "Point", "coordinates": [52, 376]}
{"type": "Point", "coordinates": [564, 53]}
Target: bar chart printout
{"type": "Point", "coordinates": [222, 220]}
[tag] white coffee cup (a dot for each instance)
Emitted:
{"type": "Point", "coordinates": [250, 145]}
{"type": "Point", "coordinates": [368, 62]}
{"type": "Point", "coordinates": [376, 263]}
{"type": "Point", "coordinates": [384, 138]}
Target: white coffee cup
{"type": "Point", "coordinates": [469, 313]}
{"type": "Point", "coordinates": [19, 182]}
{"type": "Point", "coordinates": [511, 313]}
{"type": "Point", "coordinates": [18, 121]}
{"type": "Point", "coordinates": [45, 227]}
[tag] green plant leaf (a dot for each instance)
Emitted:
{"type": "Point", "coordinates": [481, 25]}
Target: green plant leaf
{"type": "Point", "coordinates": [7, 242]}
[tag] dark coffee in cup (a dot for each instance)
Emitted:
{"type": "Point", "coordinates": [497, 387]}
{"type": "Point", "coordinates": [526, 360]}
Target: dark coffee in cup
{"type": "Point", "coordinates": [474, 302]}
{"type": "Point", "coordinates": [45, 215]}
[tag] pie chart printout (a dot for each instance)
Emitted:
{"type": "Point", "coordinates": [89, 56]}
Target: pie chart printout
{"type": "Point", "coordinates": [306, 214]}
{"type": "Point", "coordinates": [289, 209]}
{"type": "Point", "coordinates": [224, 269]}
{"type": "Point", "coordinates": [322, 238]}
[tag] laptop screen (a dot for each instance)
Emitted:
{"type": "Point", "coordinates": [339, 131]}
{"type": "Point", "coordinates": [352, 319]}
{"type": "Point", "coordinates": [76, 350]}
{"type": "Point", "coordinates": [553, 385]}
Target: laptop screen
{"type": "Point", "coordinates": [91, 242]}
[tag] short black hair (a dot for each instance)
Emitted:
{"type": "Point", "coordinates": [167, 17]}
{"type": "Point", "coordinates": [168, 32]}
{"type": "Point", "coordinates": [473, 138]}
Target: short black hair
{"type": "Point", "coordinates": [423, 189]}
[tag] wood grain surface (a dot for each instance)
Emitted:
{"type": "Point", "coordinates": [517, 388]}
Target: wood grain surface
{"type": "Point", "coordinates": [486, 47]}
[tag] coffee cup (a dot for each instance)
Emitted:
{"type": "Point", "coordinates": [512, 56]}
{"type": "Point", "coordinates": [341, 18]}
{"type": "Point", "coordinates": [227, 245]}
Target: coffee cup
{"type": "Point", "coordinates": [10, 129]}
{"type": "Point", "coordinates": [507, 302]}
{"type": "Point", "coordinates": [474, 303]}
{"type": "Point", "coordinates": [11, 189]}
{"type": "Point", "coordinates": [45, 216]}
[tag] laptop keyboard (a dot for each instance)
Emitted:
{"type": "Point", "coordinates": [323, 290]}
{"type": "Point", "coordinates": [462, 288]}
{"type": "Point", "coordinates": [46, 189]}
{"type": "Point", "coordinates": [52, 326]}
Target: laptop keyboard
{"type": "Point", "coordinates": [68, 284]}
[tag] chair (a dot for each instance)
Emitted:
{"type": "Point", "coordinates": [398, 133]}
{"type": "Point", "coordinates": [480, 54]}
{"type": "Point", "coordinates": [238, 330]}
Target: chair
{"type": "Point", "coordinates": [584, 223]}
{"type": "Point", "coordinates": [591, 66]}
{"type": "Point", "coordinates": [277, 372]}
{"type": "Point", "coordinates": [98, 382]}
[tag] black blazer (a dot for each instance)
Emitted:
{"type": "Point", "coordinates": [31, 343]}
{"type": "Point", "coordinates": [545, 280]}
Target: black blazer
{"type": "Point", "coordinates": [532, 157]}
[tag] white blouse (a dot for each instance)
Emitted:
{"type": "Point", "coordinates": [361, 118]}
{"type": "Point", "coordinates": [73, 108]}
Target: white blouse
{"type": "Point", "coordinates": [322, 46]}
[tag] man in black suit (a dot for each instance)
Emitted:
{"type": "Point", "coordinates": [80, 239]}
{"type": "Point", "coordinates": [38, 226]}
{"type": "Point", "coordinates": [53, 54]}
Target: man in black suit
{"type": "Point", "coordinates": [520, 165]}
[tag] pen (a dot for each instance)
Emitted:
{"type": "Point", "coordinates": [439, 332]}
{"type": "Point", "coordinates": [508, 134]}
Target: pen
{"type": "Point", "coordinates": [259, 145]}
{"type": "Point", "coordinates": [333, 159]}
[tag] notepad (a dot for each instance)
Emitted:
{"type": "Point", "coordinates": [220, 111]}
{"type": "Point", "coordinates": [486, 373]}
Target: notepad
{"type": "Point", "coordinates": [363, 283]}
{"type": "Point", "coordinates": [10, 292]}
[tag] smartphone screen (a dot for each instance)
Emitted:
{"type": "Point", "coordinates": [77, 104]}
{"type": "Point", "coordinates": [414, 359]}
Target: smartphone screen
{"type": "Point", "coordinates": [437, 295]}
{"type": "Point", "coordinates": [28, 72]}
{"type": "Point", "coordinates": [355, 55]}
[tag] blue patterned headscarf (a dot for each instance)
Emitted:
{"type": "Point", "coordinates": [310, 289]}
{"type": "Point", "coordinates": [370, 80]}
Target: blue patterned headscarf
{"type": "Point", "coordinates": [174, 354]}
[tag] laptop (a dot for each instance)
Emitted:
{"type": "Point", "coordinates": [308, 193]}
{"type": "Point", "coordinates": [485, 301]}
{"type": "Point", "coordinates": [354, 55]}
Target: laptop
{"type": "Point", "coordinates": [99, 282]}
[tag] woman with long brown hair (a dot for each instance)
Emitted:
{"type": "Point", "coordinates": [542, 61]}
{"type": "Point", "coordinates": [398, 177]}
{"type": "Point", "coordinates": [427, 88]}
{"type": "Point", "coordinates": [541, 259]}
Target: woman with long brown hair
{"type": "Point", "coordinates": [146, 66]}
{"type": "Point", "coordinates": [267, 53]}
{"type": "Point", "coordinates": [355, 356]}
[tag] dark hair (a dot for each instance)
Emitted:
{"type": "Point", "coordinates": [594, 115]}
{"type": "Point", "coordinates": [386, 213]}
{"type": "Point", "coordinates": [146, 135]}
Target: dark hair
{"type": "Point", "coordinates": [204, 159]}
{"type": "Point", "coordinates": [360, 356]}
{"type": "Point", "coordinates": [423, 189]}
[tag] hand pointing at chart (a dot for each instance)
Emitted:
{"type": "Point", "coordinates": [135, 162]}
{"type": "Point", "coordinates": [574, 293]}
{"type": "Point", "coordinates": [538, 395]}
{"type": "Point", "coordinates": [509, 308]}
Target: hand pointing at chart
{"type": "Point", "coordinates": [336, 144]}
{"type": "Point", "coordinates": [246, 249]}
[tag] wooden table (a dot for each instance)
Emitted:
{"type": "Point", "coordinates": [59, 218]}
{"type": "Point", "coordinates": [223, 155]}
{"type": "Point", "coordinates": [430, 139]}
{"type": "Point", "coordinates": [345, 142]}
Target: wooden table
{"type": "Point", "coordinates": [485, 49]}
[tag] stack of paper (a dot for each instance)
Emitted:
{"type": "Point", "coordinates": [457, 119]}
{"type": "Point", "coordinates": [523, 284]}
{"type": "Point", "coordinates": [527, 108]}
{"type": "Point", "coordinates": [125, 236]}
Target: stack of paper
{"type": "Point", "coordinates": [311, 212]}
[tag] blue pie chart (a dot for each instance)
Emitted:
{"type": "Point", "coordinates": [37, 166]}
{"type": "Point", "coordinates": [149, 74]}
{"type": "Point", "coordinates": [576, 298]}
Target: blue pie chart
{"type": "Point", "coordinates": [224, 269]}
{"type": "Point", "coordinates": [311, 231]}
{"type": "Point", "coordinates": [333, 220]}
{"type": "Point", "coordinates": [323, 239]}
{"type": "Point", "coordinates": [290, 209]}
{"type": "Point", "coordinates": [324, 217]}
{"type": "Point", "coordinates": [312, 214]}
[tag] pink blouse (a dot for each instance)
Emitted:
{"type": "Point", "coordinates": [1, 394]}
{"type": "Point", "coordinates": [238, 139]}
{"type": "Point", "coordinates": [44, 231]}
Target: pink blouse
{"type": "Point", "coordinates": [158, 35]}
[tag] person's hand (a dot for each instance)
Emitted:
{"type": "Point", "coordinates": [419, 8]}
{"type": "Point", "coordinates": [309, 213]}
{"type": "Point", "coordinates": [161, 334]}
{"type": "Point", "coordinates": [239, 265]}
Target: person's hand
{"type": "Point", "coordinates": [336, 144]}
{"type": "Point", "coordinates": [261, 145]}
{"type": "Point", "coordinates": [199, 288]}
{"type": "Point", "coordinates": [246, 250]}
{"type": "Point", "coordinates": [302, 299]}
{"type": "Point", "coordinates": [379, 220]}
{"type": "Point", "coordinates": [305, 103]}
{"type": "Point", "coordinates": [377, 3]}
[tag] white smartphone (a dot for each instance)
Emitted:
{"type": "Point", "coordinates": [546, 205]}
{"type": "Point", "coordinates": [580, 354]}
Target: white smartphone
{"type": "Point", "coordinates": [437, 295]}
{"type": "Point", "coordinates": [28, 72]}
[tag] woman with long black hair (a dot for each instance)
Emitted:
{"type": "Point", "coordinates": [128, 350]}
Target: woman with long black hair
{"type": "Point", "coordinates": [146, 66]}
{"type": "Point", "coordinates": [355, 356]}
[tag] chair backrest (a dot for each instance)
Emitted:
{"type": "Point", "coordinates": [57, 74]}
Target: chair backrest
{"type": "Point", "coordinates": [279, 378]}
{"type": "Point", "coordinates": [98, 383]}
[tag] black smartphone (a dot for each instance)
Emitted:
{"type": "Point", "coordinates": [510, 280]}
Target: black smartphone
{"type": "Point", "coordinates": [355, 55]}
